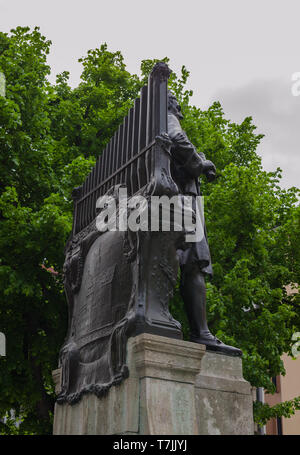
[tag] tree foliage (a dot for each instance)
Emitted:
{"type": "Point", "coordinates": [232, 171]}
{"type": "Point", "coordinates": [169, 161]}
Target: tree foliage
{"type": "Point", "coordinates": [264, 412]}
{"type": "Point", "coordinates": [50, 135]}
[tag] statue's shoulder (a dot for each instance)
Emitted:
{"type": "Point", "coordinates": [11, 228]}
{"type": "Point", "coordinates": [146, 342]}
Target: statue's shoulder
{"type": "Point", "coordinates": [174, 126]}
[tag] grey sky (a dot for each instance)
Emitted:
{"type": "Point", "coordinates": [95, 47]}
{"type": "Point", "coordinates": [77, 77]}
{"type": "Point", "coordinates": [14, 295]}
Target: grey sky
{"type": "Point", "coordinates": [241, 52]}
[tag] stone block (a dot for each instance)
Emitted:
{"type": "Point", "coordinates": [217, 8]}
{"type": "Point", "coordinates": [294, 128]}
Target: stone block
{"type": "Point", "coordinates": [223, 397]}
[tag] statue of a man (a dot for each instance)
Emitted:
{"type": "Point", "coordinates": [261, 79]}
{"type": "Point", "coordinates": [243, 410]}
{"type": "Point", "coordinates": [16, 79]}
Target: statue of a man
{"type": "Point", "coordinates": [195, 260]}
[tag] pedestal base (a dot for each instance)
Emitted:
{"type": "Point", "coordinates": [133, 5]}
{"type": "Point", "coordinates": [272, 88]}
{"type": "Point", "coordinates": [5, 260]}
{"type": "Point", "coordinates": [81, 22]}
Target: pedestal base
{"type": "Point", "coordinates": [174, 388]}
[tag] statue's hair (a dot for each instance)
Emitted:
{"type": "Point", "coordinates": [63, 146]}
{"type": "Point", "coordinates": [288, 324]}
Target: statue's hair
{"type": "Point", "coordinates": [171, 98]}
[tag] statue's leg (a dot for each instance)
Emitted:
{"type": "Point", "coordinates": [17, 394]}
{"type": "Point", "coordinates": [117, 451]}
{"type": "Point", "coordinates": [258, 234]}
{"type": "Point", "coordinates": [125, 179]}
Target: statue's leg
{"type": "Point", "coordinates": [193, 291]}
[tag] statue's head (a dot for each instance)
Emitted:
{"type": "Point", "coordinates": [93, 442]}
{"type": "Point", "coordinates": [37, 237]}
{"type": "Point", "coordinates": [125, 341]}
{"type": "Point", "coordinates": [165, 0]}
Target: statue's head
{"type": "Point", "coordinates": [173, 105]}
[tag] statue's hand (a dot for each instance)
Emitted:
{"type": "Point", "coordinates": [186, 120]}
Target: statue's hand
{"type": "Point", "coordinates": [209, 170]}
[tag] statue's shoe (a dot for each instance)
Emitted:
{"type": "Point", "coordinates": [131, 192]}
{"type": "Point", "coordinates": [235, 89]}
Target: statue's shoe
{"type": "Point", "coordinates": [212, 343]}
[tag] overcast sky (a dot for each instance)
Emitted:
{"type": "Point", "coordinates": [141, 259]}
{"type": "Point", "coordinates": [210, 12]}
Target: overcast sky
{"type": "Point", "coordinates": [240, 52]}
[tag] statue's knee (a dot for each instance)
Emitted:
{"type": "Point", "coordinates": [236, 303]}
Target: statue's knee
{"type": "Point", "coordinates": [192, 278]}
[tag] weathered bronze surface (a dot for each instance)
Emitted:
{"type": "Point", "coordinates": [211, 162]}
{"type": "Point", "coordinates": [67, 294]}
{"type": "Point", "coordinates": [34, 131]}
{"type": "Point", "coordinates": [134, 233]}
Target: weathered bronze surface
{"type": "Point", "coordinates": [194, 260]}
{"type": "Point", "coordinates": [118, 284]}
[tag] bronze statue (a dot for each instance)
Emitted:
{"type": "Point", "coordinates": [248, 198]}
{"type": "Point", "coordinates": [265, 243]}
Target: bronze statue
{"type": "Point", "coordinates": [119, 283]}
{"type": "Point", "coordinates": [195, 261]}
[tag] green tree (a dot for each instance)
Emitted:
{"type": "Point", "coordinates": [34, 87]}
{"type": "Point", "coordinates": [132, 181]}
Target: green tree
{"type": "Point", "coordinates": [50, 136]}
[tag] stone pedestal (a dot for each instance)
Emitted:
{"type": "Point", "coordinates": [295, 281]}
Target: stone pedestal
{"type": "Point", "coordinates": [223, 397]}
{"type": "Point", "coordinates": [174, 387]}
{"type": "Point", "coordinates": [157, 398]}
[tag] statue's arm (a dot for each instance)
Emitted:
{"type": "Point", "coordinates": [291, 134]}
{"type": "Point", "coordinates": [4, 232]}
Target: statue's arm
{"type": "Point", "coordinates": [185, 154]}
{"type": "Point", "coordinates": [194, 163]}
